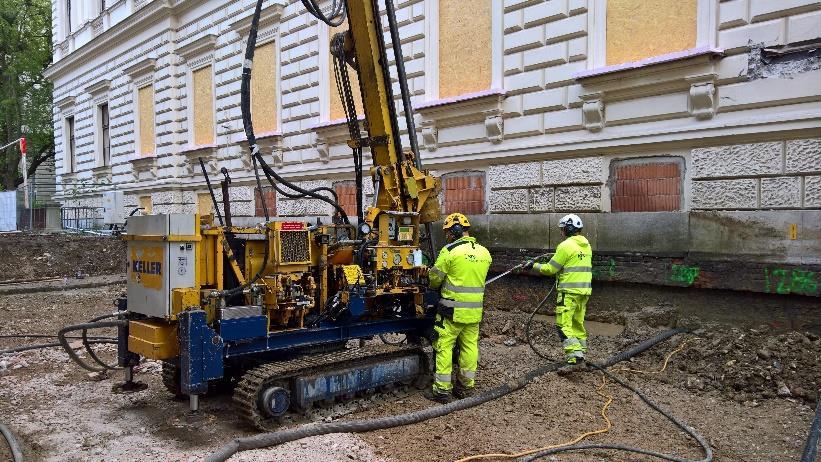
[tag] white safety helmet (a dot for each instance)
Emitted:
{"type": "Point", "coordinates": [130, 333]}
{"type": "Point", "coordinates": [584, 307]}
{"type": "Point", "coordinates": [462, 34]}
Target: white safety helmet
{"type": "Point", "coordinates": [572, 220]}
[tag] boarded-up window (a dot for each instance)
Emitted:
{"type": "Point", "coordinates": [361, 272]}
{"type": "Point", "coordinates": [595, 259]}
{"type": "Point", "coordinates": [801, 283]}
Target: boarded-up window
{"type": "Point", "coordinates": [145, 97]}
{"type": "Point", "coordinates": [336, 109]}
{"type": "Point", "coordinates": [465, 47]}
{"type": "Point", "coordinates": [264, 89]}
{"type": "Point", "coordinates": [639, 29]}
{"type": "Point", "coordinates": [464, 193]}
{"type": "Point", "coordinates": [346, 191]}
{"type": "Point", "coordinates": [270, 196]}
{"type": "Point", "coordinates": [147, 205]}
{"type": "Point", "coordinates": [203, 106]}
{"type": "Point", "coordinates": [71, 146]}
{"type": "Point", "coordinates": [646, 187]}
{"type": "Point", "coordinates": [205, 204]}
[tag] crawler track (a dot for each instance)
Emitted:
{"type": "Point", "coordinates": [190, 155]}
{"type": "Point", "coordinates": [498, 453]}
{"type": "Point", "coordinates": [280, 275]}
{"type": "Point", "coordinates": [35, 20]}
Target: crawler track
{"type": "Point", "coordinates": [256, 379]}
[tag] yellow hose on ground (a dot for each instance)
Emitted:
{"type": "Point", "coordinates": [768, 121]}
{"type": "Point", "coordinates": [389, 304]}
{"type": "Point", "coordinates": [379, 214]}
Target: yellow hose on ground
{"type": "Point", "coordinates": [584, 435]}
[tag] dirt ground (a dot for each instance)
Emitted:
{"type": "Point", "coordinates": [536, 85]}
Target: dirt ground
{"type": "Point", "coordinates": [749, 389]}
{"type": "Point", "coordinates": [38, 256]}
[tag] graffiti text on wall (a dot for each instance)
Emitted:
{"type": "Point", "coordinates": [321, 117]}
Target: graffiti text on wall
{"type": "Point", "coordinates": [790, 281]}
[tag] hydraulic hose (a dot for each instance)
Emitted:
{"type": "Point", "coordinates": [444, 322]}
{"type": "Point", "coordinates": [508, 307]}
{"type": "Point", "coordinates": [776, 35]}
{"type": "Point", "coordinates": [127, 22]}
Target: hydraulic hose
{"type": "Point", "coordinates": [358, 426]}
{"type": "Point", "coordinates": [90, 325]}
{"type": "Point", "coordinates": [811, 447]}
{"type": "Point", "coordinates": [14, 445]}
{"type": "Point", "coordinates": [41, 346]}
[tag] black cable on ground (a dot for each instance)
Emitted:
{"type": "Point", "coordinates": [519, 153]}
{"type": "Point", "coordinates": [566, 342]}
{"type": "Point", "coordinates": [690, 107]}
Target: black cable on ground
{"type": "Point", "coordinates": [76, 337]}
{"type": "Point", "coordinates": [284, 436]}
{"type": "Point", "coordinates": [530, 322]}
{"type": "Point", "coordinates": [811, 446]}
{"type": "Point", "coordinates": [14, 445]}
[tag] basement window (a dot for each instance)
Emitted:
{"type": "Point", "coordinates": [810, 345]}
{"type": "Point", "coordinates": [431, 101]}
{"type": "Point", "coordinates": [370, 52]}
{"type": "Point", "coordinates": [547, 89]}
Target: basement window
{"type": "Point", "coordinates": [646, 185]}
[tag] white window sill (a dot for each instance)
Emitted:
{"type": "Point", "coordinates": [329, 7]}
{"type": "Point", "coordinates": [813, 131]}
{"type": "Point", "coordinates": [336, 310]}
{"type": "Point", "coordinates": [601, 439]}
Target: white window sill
{"type": "Point", "coordinates": [470, 108]}
{"type": "Point", "coordinates": [669, 58]}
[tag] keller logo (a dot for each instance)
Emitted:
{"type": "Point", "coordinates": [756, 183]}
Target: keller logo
{"type": "Point", "coordinates": [146, 267]}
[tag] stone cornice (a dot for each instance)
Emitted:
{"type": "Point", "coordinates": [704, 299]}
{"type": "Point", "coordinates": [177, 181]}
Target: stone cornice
{"type": "Point", "coordinates": [138, 21]}
{"type": "Point", "coordinates": [99, 87]}
{"type": "Point", "coordinates": [65, 103]}
{"type": "Point", "coordinates": [140, 69]}
{"type": "Point", "coordinates": [203, 45]}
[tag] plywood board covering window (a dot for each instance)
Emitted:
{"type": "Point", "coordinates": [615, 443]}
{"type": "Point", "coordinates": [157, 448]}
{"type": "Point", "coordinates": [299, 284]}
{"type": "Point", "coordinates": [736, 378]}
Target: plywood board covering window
{"type": "Point", "coordinates": [205, 204]}
{"type": "Point", "coordinates": [639, 29]}
{"type": "Point", "coordinates": [336, 110]}
{"type": "Point", "coordinates": [263, 89]}
{"type": "Point", "coordinates": [203, 106]}
{"type": "Point", "coordinates": [465, 56]}
{"type": "Point", "coordinates": [147, 205]}
{"type": "Point", "coordinates": [145, 97]}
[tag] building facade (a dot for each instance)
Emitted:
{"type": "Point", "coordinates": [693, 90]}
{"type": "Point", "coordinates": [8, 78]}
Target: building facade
{"type": "Point", "coordinates": [687, 132]}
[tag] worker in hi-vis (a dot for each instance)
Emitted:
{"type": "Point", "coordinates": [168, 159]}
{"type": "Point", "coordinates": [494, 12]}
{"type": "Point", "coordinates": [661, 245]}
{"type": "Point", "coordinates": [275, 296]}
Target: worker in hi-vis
{"type": "Point", "coordinates": [573, 266]}
{"type": "Point", "coordinates": [460, 272]}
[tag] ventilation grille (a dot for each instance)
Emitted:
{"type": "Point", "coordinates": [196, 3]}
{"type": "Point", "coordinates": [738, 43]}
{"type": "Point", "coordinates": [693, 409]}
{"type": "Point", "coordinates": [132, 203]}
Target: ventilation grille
{"type": "Point", "coordinates": [294, 245]}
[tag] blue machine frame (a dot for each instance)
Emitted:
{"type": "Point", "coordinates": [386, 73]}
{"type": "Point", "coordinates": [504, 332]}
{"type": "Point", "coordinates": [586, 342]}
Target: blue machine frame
{"type": "Point", "coordinates": [203, 351]}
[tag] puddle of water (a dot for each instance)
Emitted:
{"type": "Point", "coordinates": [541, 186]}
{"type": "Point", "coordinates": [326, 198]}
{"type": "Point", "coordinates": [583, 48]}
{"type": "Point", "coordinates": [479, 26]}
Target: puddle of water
{"type": "Point", "coordinates": [604, 329]}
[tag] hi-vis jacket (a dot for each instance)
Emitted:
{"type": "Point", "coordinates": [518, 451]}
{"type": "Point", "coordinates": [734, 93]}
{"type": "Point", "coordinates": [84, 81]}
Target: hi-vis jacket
{"type": "Point", "coordinates": [574, 263]}
{"type": "Point", "coordinates": [460, 271]}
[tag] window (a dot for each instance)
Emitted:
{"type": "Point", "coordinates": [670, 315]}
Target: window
{"type": "Point", "coordinates": [68, 17]}
{"type": "Point", "coordinates": [263, 89]}
{"type": "Point", "coordinates": [464, 193]}
{"type": "Point", "coordinates": [270, 196]}
{"type": "Point", "coordinates": [203, 94]}
{"type": "Point", "coordinates": [205, 204]}
{"type": "Point", "coordinates": [465, 47]}
{"type": "Point", "coordinates": [147, 205]}
{"type": "Point", "coordinates": [337, 112]}
{"type": "Point", "coordinates": [646, 185]}
{"type": "Point", "coordinates": [670, 26]}
{"type": "Point", "coordinates": [102, 6]}
{"type": "Point", "coordinates": [105, 139]}
{"type": "Point", "coordinates": [71, 161]}
{"type": "Point", "coordinates": [346, 191]}
{"type": "Point", "coordinates": [145, 112]}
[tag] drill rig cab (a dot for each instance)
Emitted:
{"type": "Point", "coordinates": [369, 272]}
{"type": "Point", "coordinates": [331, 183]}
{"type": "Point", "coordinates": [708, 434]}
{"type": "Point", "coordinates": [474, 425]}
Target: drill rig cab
{"type": "Point", "coordinates": [271, 307]}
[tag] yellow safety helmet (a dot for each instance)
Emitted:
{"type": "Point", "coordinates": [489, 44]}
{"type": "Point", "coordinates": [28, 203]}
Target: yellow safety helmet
{"type": "Point", "coordinates": [456, 219]}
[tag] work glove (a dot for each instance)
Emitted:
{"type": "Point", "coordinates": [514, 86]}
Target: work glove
{"type": "Point", "coordinates": [528, 265]}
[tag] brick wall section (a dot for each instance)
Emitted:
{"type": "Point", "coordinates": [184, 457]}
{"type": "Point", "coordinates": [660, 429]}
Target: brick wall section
{"type": "Point", "coordinates": [270, 196]}
{"type": "Point", "coordinates": [464, 192]}
{"type": "Point", "coordinates": [684, 271]}
{"type": "Point", "coordinates": [346, 191]}
{"type": "Point", "coordinates": [651, 187]}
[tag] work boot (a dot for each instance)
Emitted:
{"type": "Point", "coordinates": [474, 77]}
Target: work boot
{"type": "Point", "coordinates": [437, 396]}
{"type": "Point", "coordinates": [573, 365]}
{"type": "Point", "coordinates": [463, 392]}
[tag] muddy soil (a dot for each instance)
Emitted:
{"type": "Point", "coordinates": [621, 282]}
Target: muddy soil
{"type": "Point", "coordinates": [38, 256]}
{"type": "Point", "coordinates": [61, 413]}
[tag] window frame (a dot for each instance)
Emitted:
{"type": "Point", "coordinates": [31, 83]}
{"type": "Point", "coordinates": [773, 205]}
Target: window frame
{"type": "Point", "coordinates": [70, 140]}
{"type": "Point", "coordinates": [432, 48]}
{"type": "Point", "coordinates": [104, 134]}
{"type": "Point", "coordinates": [706, 30]}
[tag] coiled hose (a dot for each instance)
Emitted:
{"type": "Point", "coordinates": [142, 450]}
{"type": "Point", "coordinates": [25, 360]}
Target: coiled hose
{"type": "Point", "coordinates": [811, 447]}
{"type": "Point", "coordinates": [358, 426]}
{"type": "Point", "coordinates": [14, 445]}
{"type": "Point", "coordinates": [62, 335]}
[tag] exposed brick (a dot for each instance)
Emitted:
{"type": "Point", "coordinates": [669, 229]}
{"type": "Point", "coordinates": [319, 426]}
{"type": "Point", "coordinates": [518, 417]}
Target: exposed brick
{"type": "Point", "coordinates": [464, 192]}
{"type": "Point", "coordinates": [346, 192]}
{"type": "Point", "coordinates": [270, 196]}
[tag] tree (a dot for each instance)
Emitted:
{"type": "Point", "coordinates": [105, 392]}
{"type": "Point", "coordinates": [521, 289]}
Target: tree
{"type": "Point", "coordinates": [25, 94]}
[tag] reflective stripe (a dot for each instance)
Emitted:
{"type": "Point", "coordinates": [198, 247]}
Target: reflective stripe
{"type": "Point", "coordinates": [583, 343]}
{"type": "Point", "coordinates": [468, 374]}
{"type": "Point", "coordinates": [455, 304]}
{"type": "Point", "coordinates": [570, 342]}
{"type": "Point", "coordinates": [574, 354]}
{"type": "Point", "coordinates": [462, 289]}
{"type": "Point", "coordinates": [437, 272]}
{"type": "Point", "coordinates": [442, 378]}
{"type": "Point", "coordinates": [575, 285]}
{"type": "Point", "coordinates": [555, 264]}
{"type": "Point", "coordinates": [579, 269]}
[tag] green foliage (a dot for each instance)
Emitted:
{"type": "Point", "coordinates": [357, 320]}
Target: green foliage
{"type": "Point", "coordinates": [25, 94]}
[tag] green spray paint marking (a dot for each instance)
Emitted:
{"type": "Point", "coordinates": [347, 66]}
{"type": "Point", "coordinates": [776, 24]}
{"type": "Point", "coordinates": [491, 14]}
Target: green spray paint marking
{"type": "Point", "coordinates": [795, 281]}
{"type": "Point", "coordinates": [608, 271]}
{"type": "Point", "coordinates": [684, 274]}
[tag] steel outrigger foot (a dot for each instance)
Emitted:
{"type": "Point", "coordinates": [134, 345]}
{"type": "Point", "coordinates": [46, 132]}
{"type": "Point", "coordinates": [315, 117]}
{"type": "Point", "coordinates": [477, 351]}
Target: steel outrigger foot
{"type": "Point", "coordinates": [129, 385]}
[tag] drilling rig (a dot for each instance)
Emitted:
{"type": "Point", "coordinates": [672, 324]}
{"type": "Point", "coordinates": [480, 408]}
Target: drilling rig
{"type": "Point", "coordinates": [270, 308]}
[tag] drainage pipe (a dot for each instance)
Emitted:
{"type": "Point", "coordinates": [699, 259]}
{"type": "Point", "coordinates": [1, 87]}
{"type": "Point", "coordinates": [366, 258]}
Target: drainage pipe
{"type": "Point", "coordinates": [264, 440]}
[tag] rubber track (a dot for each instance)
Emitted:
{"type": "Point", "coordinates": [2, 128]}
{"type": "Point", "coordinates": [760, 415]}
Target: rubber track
{"type": "Point", "coordinates": [254, 380]}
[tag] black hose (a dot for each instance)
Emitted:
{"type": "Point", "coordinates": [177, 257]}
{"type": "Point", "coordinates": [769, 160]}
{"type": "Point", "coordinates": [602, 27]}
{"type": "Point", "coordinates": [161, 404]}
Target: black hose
{"type": "Point", "coordinates": [530, 322]}
{"type": "Point", "coordinates": [811, 447]}
{"type": "Point", "coordinates": [275, 438]}
{"type": "Point", "coordinates": [403, 80]}
{"type": "Point", "coordinates": [14, 445]}
{"type": "Point", "coordinates": [211, 191]}
{"type": "Point", "coordinates": [76, 337]}
{"type": "Point", "coordinates": [260, 191]}
{"type": "Point", "coordinates": [41, 346]}
{"type": "Point", "coordinates": [90, 325]}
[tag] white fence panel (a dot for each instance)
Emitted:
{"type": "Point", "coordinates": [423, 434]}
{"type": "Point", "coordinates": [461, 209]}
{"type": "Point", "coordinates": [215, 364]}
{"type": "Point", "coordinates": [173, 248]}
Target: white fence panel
{"type": "Point", "coordinates": [8, 211]}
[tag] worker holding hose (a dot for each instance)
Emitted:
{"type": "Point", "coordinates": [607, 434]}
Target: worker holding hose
{"type": "Point", "coordinates": [573, 266]}
{"type": "Point", "coordinates": [460, 272]}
